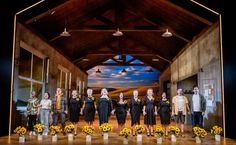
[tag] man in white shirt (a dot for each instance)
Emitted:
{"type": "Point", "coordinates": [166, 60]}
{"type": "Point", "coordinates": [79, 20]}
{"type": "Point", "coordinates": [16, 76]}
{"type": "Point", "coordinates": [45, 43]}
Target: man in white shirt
{"type": "Point", "coordinates": [197, 107]}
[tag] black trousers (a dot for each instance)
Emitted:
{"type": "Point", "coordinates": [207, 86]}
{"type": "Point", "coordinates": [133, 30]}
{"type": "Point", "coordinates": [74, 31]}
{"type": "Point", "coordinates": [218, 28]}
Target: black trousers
{"type": "Point", "coordinates": [31, 122]}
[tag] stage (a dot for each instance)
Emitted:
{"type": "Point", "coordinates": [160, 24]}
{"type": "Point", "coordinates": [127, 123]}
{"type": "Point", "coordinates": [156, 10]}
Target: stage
{"type": "Point", "coordinates": [114, 138]}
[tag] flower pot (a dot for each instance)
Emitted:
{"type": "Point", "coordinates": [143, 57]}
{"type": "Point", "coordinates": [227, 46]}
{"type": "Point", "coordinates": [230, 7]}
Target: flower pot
{"type": "Point", "coordinates": [70, 137]}
{"type": "Point", "coordinates": [88, 138]}
{"type": "Point", "coordinates": [139, 137]}
{"type": "Point", "coordinates": [105, 135]}
{"type": "Point", "coordinates": [125, 140]}
{"type": "Point", "coordinates": [21, 139]}
{"type": "Point", "coordinates": [217, 137]}
{"type": "Point", "coordinates": [198, 139]}
{"type": "Point", "coordinates": [40, 137]}
{"type": "Point", "coordinates": [159, 140]}
{"type": "Point", "coordinates": [54, 138]}
{"type": "Point", "coordinates": [173, 138]}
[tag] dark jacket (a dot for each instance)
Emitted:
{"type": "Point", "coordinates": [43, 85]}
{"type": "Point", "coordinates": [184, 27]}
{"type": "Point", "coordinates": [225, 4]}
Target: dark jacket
{"type": "Point", "coordinates": [63, 106]}
{"type": "Point", "coordinates": [202, 103]}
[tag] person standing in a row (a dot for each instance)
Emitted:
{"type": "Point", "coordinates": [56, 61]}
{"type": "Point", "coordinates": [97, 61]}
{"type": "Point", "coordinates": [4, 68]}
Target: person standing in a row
{"type": "Point", "coordinates": [135, 108]}
{"type": "Point", "coordinates": [89, 107]}
{"type": "Point", "coordinates": [149, 112]}
{"type": "Point", "coordinates": [75, 104]}
{"type": "Point", "coordinates": [32, 112]}
{"type": "Point", "coordinates": [120, 109]}
{"type": "Point", "coordinates": [45, 110]}
{"type": "Point", "coordinates": [59, 108]}
{"type": "Point", "coordinates": [164, 109]}
{"type": "Point", "coordinates": [180, 109]}
{"type": "Point", "coordinates": [104, 107]}
{"type": "Point", "coordinates": [197, 107]}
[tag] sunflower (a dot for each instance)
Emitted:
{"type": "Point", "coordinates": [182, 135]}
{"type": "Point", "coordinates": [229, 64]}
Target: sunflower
{"type": "Point", "coordinates": [216, 130]}
{"type": "Point", "coordinates": [20, 130]}
{"type": "Point", "coordinates": [198, 131]}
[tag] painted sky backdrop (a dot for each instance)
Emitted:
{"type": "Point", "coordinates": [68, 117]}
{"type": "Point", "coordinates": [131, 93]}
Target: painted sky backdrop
{"type": "Point", "coordinates": [112, 77]}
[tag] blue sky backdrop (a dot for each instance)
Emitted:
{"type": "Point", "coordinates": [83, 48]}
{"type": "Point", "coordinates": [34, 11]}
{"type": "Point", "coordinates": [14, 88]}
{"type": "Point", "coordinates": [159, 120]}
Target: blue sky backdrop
{"type": "Point", "coordinates": [111, 76]}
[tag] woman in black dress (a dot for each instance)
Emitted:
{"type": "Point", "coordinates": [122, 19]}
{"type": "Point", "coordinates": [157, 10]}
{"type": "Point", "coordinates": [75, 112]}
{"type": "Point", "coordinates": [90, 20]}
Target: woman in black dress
{"type": "Point", "coordinates": [135, 108]}
{"type": "Point", "coordinates": [121, 111]}
{"type": "Point", "coordinates": [104, 107]}
{"type": "Point", "coordinates": [75, 104]}
{"type": "Point", "coordinates": [165, 112]}
{"type": "Point", "coordinates": [149, 112]}
{"type": "Point", "coordinates": [88, 108]}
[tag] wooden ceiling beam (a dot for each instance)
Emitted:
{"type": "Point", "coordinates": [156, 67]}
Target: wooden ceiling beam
{"type": "Point", "coordinates": [94, 49]}
{"type": "Point", "coordinates": [148, 63]}
{"type": "Point", "coordinates": [122, 64]}
{"type": "Point", "coordinates": [156, 22]}
{"type": "Point", "coordinates": [109, 28]}
{"type": "Point", "coordinates": [201, 19]}
{"type": "Point", "coordinates": [105, 20]}
{"type": "Point", "coordinates": [97, 62]}
{"type": "Point", "coordinates": [131, 60]}
{"type": "Point", "coordinates": [138, 53]}
{"type": "Point", "coordinates": [142, 17]}
{"type": "Point", "coordinates": [49, 12]}
{"type": "Point", "coordinates": [153, 50]}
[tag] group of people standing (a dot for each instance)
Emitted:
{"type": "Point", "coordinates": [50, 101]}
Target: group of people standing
{"type": "Point", "coordinates": [58, 107]}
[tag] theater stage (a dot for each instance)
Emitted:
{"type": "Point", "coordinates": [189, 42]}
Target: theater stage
{"type": "Point", "coordinates": [114, 138]}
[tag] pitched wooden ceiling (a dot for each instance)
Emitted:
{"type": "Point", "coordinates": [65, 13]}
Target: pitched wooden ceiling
{"type": "Point", "coordinates": [92, 22]}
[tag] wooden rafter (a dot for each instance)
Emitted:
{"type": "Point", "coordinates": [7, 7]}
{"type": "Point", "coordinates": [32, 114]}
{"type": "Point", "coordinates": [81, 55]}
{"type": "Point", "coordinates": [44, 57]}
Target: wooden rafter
{"type": "Point", "coordinates": [201, 19]}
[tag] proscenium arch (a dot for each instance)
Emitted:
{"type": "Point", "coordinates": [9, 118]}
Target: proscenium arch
{"type": "Point", "coordinates": [33, 5]}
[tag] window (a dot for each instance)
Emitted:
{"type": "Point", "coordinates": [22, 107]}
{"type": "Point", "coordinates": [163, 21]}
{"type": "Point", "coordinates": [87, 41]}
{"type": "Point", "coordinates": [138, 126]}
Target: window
{"type": "Point", "coordinates": [64, 79]}
{"type": "Point", "coordinates": [30, 77]}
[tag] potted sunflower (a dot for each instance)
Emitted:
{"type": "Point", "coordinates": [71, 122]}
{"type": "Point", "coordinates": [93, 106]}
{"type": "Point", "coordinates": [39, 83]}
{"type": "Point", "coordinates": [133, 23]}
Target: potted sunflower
{"type": "Point", "coordinates": [159, 132]}
{"type": "Point", "coordinates": [21, 131]}
{"type": "Point", "coordinates": [69, 128]}
{"type": "Point", "coordinates": [217, 130]}
{"type": "Point", "coordinates": [199, 133]}
{"type": "Point", "coordinates": [38, 128]}
{"type": "Point", "coordinates": [139, 129]}
{"type": "Point", "coordinates": [173, 131]}
{"type": "Point", "coordinates": [125, 132]}
{"type": "Point", "coordinates": [54, 130]}
{"type": "Point", "coordinates": [88, 130]}
{"type": "Point", "coordinates": [105, 128]}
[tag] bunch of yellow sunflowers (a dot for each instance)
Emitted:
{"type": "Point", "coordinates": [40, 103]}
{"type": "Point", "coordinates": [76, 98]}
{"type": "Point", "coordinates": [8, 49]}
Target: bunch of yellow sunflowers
{"type": "Point", "coordinates": [139, 129]}
{"type": "Point", "coordinates": [159, 131]}
{"type": "Point", "coordinates": [89, 130]}
{"type": "Point", "coordinates": [38, 128]}
{"type": "Point", "coordinates": [125, 132]}
{"type": "Point", "coordinates": [20, 130]}
{"type": "Point", "coordinates": [198, 131]}
{"type": "Point", "coordinates": [105, 127]}
{"type": "Point", "coordinates": [69, 128]}
{"type": "Point", "coordinates": [55, 129]}
{"type": "Point", "coordinates": [216, 130]}
{"type": "Point", "coordinates": [173, 130]}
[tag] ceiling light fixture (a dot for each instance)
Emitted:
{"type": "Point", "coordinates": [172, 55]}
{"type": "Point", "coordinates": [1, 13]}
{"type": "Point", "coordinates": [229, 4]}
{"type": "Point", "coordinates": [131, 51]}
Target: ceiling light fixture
{"type": "Point", "coordinates": [150, 70]}
{"type": "Point", "coordinates": [155, 59]}
{"type": "Point", "coordinates": [166, 34]}
{"type": "Point", "coordinates": [65, 33]}
{"type": "Point", "coordinates": [117, 33]}
{"type": "Point", "coordinates": [123, 72]}
{"type": "Point", "coordinates": [120, 58]}
{"type": "Point", "coordinates": [98, 71]}
{"type": "Point", "coordinates": [85, 59]}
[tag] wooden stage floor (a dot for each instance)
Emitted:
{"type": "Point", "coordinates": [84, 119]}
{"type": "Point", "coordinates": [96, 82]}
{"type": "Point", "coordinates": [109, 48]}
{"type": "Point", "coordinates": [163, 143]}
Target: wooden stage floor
{"type": "Point", "coordinates": [114, 138]}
